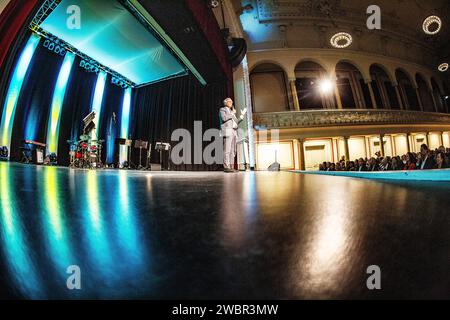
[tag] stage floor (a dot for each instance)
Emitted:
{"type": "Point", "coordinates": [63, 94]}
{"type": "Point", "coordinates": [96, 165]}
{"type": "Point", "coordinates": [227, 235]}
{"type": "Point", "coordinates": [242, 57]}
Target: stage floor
{"type": "Point", "coordinates": [214, 235]}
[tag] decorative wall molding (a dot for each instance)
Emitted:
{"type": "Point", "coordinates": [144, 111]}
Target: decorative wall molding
{"type": "Point", "coordinates": [328, 118]}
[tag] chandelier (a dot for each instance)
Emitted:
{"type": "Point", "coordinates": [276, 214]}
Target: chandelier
{"type": "Point", "coordinates": [341, 40]}
{"type": "Point", "coordinates": [443, 67]}
{"type": "Point", "coordinates": [431, 21]}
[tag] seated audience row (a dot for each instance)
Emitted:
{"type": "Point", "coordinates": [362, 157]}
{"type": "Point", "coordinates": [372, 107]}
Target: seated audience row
{"type": "Point", "coordinates": [426, 159]}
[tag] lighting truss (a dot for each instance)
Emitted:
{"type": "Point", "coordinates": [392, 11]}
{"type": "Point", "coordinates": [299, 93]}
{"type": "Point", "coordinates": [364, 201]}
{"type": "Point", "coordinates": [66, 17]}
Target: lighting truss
{"type": "Point", "coordinates": [44, 11]}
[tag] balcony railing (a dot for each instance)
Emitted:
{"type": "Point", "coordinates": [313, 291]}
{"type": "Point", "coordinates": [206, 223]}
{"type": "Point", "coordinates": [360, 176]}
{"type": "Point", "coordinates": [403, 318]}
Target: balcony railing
{"type": "Point", "coordinates": [324, 118]}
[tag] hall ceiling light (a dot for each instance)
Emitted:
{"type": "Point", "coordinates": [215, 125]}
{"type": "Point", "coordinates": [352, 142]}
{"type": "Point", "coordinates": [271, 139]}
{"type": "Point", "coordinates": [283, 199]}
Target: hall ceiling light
{"type": "Point", "coordinates": [341, 40]}
{"type": "Point", "coordinates": [432, 25]}
{"type": "Point", "coordinates": [443, 67]}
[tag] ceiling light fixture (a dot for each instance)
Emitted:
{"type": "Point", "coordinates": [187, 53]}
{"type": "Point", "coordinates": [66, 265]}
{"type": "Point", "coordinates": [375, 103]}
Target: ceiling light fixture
{"type": "Point", "coordinates": [326, 86]}
{"type": "Point", "coordinates": [341, 40]}
{"type": "Point", "coordinates": [432, 25]}
{"type": "Point", "coordinates": [443, 67]}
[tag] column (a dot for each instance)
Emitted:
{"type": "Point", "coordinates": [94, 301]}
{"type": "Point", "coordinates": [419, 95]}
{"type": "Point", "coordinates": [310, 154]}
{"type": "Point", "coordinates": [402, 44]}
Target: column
{"type": "Point", "coordinates": [399, 98]}
{"type": "Point", "coordinates": [372, 95]}
{"type": "Point", "coordinates": [394, 145]}
{"type": "Point", "coordinates": [338, 97]}
{"type": "Point", "coordinates": [427, 135]}
{"type": "Point", "coordinates": [346, 149]}
{"type": "Point", "coordinates": [382, 145]}
{"type": "Point", "coordinates": [434, 101]}
{"type": "Point", "coordinates": [419, 99]}
{"type": "Point", "coordinates": [441, 135]}
{"type": "Point", "coordinates": [368, 146]}
{"type": "Point", "coordinates": [248, 102]}
{"type": "Point", "coordinates": [408, 141]}
{"type": "Point", "coordinates": [301, 153]}
{"type": "Point", "coordinates": [294, 94]}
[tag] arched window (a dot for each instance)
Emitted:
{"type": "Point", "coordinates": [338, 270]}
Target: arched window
{"type": "Point", "coordinates": [384, 91]}
{"type": "Point", "coordinates": [269, 88]}
{"type": "Point", "coordinates": [407, 91]}
{"type": "Point", "coordinates": [308, 80]}
{"type": "Point", "coordinates": [438, 97]}
{"type": "Point", "coordinates": [352, 88]}
{"type": "Point", "coordinates": [424, 93]}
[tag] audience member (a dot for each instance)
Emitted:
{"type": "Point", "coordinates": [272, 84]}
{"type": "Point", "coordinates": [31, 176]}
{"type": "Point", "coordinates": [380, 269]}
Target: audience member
{"type": "Point", "coordinates": [426, 159]}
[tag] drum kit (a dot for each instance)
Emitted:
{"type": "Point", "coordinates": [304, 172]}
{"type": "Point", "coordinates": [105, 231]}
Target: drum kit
{"type": "Point", "coordinates": [86, 153]}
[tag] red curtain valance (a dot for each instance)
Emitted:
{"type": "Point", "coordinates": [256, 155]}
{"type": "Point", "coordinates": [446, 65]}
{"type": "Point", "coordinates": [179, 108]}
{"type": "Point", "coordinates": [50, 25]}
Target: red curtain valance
{"type": "Point", "coordinates": [12, 20]}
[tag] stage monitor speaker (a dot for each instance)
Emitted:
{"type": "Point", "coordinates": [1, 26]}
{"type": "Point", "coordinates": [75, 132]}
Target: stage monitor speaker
{"type": "Point", "coordinates": [155, 167]}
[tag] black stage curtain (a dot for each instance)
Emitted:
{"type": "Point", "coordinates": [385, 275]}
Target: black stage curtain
{"type": "Point", "coordinates": [77, 105]}
{"type": "Point", "coordinates": [161, 108]}
{"type": "Point", "coordinates": [35, 100]}
{"type": "Point", "coordinates": [110, 129]}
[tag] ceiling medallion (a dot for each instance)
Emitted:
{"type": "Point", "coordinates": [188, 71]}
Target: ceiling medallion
{"type": "Point", "coordinates": [443, 67]}
{"type": "Point", "coordinates": [432, 25]}
{"type": "Point", "coordinates": [341, 40]}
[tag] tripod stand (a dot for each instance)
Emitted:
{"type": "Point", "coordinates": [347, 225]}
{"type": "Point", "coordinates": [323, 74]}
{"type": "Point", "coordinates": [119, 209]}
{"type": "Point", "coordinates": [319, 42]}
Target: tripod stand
{"type": "Point", "coordinates": [139, 144]}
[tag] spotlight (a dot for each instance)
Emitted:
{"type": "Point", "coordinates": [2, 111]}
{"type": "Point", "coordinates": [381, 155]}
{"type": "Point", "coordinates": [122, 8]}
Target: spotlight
{"type": "Point", "coordinates": [443, 67]}
{"type": "Point", "coordinates": [432, 25]}
{"type": "Point", "coordinates": [213, 3]}
{"type": "Point", "coordinates": [326, 86]}
{"type": "Point", "coordinates": [341, 40]}
{"type": "Point", "coordinates": [248, 8]}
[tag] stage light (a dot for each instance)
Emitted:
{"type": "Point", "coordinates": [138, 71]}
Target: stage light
{"type": "Point", "coordinates": [341, 40]}
{"type": "Point", "coordinates": [213, 3]}
{"type": "Point", "coordinates": [98, 99]}
{"type": "Point", "coordinates": [55, 46]}
{"type": "Point", "coordinates": [15, 87]}
{"type": "Point", "coordinates": [326, 86]}
{"type": "Point", "coordinates": [248, 8]}
{"type": "Point", "coordinates": [57, 103]}
{"type": "Point", "coordinates": [443, 67]}
{"type": "Point", "coordinates": [90, 66]}
{"type": "Point", "coordinates": [431, 21]}
{"type": "Point", "coordinates": [125, 123]}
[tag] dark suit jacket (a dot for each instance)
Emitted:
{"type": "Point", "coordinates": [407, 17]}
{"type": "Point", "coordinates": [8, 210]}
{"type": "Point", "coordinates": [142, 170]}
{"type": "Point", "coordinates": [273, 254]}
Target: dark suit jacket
{"type": "Point", "coordinates": [429, 164]}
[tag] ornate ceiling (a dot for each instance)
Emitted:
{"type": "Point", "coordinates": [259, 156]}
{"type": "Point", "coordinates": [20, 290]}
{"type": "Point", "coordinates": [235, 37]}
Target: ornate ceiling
{"type": "Point", "coordinates": [283, 23]}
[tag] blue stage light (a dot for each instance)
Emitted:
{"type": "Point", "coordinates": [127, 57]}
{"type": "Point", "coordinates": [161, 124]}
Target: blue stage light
{"type": "Point", "coordinates": [15, 87]}
{"type": "Point", "coordinates": [57, 104]}
{"type": "Point", "coordinates": [125, 124]}
{"type": "Point", "coordinates": [98, 99]}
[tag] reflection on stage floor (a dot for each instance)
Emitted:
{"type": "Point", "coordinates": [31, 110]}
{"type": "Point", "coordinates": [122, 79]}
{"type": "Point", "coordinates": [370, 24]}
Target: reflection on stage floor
{"type": "Point", "coordinates": [212, 235]}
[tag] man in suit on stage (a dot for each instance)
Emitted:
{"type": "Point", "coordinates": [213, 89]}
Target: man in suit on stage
{"type": "Point", "coordinates": [229, 126]}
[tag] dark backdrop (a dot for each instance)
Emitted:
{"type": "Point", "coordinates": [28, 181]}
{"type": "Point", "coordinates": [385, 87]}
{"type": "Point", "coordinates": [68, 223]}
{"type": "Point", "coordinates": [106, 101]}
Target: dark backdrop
{"type": "Point", "coordinates": [156, 110]}
{"type": "Point", "coordinates": [161, 108]}
{"type": "Point", "coordinates": [35, 100]}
